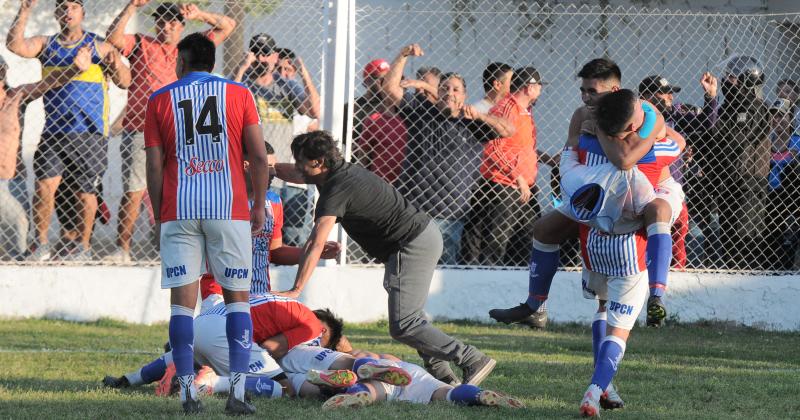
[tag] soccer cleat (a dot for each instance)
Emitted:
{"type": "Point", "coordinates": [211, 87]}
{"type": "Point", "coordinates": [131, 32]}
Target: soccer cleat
{"type": "Point", "coordinates": [236, 407]}
{"type": "Point", "coordinates": [656, 312]}
{"type": "Point", "coordinates": [355, 400]}
{"type": "Point", "coordinates": [610, 399]}
{"type": "Point", "coordinates": [332, 378]}
{"type": "Point", "coordinates": [191, 406]}
{"type": "Point", "coordinates": [205, 380]}
{"type": "Point", "coordinates": [514, 315]}
{"type": "Point", "coordinates": [475, 373]}
{"type": "Point", "coordinates": [498, 399]}
{"type": "Point", "coordinates": [536, 321]}
{"type": "Point", "coordinates": [590, 405]}
{"type": "Point", "coordinates": [116, 383]}
{"type": "Point", "coordinates": [391, 375]}
{"type": "Point", "coordinates": [165, 386]}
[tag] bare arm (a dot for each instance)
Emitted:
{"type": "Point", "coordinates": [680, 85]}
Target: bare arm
{"type": "Point", "coordinates": [116, 31]}
{"type": "Point", "coordinates": [221, 26]}
{"type": "Point", "coordinates": [248, 61]}
{"type": "Point", "coordinates": [420, 85]}
{"type": "Point", "coordinates": [154, 162]}
{"type": "Point", "coordinates": [310, 105]}
{"type": "Point", "coordinates": [119, 72]}
{"type": "Point", "coordinates": [288, 173]}
{"type": "Point", "coordinates": [391, 81]}
{"type": "Point", "coordinates": [16, 41]}
{"type": "Point", "coordinates": [277, 346]}
{"type": "Point", "coordinates": [311, 254]}
{"type": "Point", "coordinates": [500, 125]}
{"type": "Point", "coordinates": [253, 141]}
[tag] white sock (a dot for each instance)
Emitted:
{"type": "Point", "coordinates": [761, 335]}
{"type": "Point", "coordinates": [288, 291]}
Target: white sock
{"type": "Point", "coordinates": [186, 384]}
{"type": "Point", "coordinates": [223, 384]}
{"type": "Point", "coordinates": [237, 385]}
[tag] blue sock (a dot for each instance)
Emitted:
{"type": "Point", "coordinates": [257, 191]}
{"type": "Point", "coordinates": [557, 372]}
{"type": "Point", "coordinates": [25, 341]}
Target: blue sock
{"type": "Point", "coordinates": [154, 370]}
{"type": "Point", "coordinates": [464, 394]}
{"type": "Point", "coordinates": [598, 333]}
{"type": "Point", "coordinates": [262, 386]}
{"type": "Point", "coordinates": [361, 361]}
{"type": "Point", "coordinates": [359, 387]}
{"type": "Point", "coordinates": [181, 339]}
{"type": "Point", "coordinates": [239, 328]}
{"type": "Point", "coordinates": [659, 257]}
{"type": "Point", "coordinates": [611, 351]}
{"type": "Point", "coordinates": [541, 269]}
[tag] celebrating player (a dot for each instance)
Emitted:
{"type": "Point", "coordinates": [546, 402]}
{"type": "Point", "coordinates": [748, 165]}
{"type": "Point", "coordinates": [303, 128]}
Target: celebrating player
{"type": "Point", "coordinates": [196, 130]}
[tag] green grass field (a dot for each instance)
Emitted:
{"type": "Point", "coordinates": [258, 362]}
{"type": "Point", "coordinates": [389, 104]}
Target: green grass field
{"type": "Point", "coordinates": [52, 369]}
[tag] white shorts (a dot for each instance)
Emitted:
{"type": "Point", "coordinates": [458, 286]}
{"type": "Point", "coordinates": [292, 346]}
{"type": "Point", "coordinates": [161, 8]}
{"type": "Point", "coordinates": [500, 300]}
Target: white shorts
{"type": "Point", "coordinates": [671, 191]}
{"type": "Point", "coordinates": [302, 358]}
{"type": "Point", "coordinates": [421, 388]}
{"type": "Point", "coordinates": [625, 296]}
{"type": "Point", "coordinates": [211, 348]}
{"type": "Point", "coordinates": [225, 245]}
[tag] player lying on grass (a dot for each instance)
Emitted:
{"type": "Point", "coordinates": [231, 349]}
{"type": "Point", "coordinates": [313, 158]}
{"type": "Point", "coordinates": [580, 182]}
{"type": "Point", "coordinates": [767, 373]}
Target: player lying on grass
{"type": "Point", "coordinates": [600, 77]}
{"type": "Point", "coordinates": [615, 269]}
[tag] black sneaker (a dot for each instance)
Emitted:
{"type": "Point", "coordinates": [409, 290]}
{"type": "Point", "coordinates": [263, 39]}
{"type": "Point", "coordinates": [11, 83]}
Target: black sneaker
{"type": "Point", "coordinates": [513, 315]}
{"type": "Point", "coordinates": [656, 312]}
{"type": "Point", "coordinates": [441, 370]}
{"type": "Point", "coordinates": [191, 406]}
{"type": "Point", "coordinates": [536, 321]}
{"type": "Point", "coordinates": [116, 383]}
{"type": "Point", "coordinates": [476, 372]}
{"type": "Point", "coordinates": [236, 407]}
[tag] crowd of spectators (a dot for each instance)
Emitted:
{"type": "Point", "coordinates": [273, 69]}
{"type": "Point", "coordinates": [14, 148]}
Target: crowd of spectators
{"type": "Point", "coordinates": [472, 167]}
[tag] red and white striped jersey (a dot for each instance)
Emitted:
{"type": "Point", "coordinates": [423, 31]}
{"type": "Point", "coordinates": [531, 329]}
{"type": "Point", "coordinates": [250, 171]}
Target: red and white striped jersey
{"type": "Point", "coordinates": [198, 121]}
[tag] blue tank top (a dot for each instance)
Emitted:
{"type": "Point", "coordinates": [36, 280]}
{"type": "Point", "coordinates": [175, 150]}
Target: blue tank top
{"type": "Point", "coordinates": [81, 105]}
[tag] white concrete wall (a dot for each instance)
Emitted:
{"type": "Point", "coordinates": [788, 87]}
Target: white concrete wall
{"type": "Point", "coordinates": [356, 294]}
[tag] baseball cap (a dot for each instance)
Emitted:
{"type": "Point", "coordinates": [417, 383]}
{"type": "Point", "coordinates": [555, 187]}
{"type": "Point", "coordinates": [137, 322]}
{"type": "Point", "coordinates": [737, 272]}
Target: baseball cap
{"type": "Point", "coordinates": [376, 68]}
{"type": "Point", "coordinates": [262, 44]}
{"type": "Point", "coordinates": [168, 11]}
{"type": "Point", "coordinates": [781, 105]}
{"type": "Point", "coordinates": [657, 84]}
{"type": "Point", "coordinates": [525, 76]}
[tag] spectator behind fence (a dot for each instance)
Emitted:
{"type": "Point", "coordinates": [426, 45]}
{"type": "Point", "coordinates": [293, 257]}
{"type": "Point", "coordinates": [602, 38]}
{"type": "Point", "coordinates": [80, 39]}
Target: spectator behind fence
{"type": "Point", "coordinates": [789, 89]}
{"type": "Point", "coordinates": [496, 86]}
{"type": "Point", "coordinates": [738, 166]}
{"type": "Point", "coordinates": [690, 123]}
{"type": "Point", "coordinates": [372, 99]}
{"type": "Point", "coordinates": [504, 203]}
{"type": "Point", "coordinates": [13, 217]}
{"type": "Point", "coordinates": [73, 143]}
{"type": "Point", "coordinates": [783, 194]}
{"type": "Point", "coordinates": [381, 148]}
{"type": "Point", "coordinates": [289, 66]}
{"type": "Point", "coordinates": [278, 101]}
{"type": "Point", "coordinates": [426, 85]}
{"type": "Point", "coordinates": [152, 66]}
{"type": "Point", "coordinates": [443, 151]}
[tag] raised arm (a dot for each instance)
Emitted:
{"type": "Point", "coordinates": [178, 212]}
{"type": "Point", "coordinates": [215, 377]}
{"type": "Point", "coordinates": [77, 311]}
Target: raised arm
{"type": "Point", "coordinates": [221, 26]}
{"type": "Point", "coordinates": [502, 126]}
{"type": "Point", "coordinates": [391, 81]}
{"type": "Point", "coordinates": [310, 105]}
{"type": "Point", "coordinates": [55, 79]}
{"type": "Point", "coordinates": [420, 85]}
{"type": "Point", "coordinates": [249, 59]}
{"type": "Point", "coordinates": [16, 41]}
{"type": "Point", "coordinates": [115, 68]}
{"type": "Point", "coordinates": [116, 31]}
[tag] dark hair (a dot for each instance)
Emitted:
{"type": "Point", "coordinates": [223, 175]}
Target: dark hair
{"type": "Point", "coordinates": [614, 110]}
{"type": "Point", "coordinates": [285, 53]}
{"type": "Point", "coordinates": [602, 69]}
{"type": "Point", "coordinates": [198, 52]}
{"type": "Point", "coordinates": [270, 149]}
{"type": "Point", "coordinates": [492, 72]}
{"type": "Point", "coordinates": [335, 326]}
{"type": "Point", "coordinates": [316, 145]}
{"type": "Point", "coordinates": [422, 71]}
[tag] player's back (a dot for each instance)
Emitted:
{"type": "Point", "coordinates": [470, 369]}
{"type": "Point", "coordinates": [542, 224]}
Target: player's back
{"type": "Point", "coordinates": [199, 121]}
{"type": "Point", "coordinates": [661, 155]}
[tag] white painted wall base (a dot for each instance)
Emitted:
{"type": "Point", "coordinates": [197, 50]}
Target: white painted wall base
{"type": "Point", "coordinates": [134, 295]}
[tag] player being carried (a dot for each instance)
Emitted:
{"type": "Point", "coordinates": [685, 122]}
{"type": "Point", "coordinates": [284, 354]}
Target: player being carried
{"type": "Point", "coordinates": [599, 77]}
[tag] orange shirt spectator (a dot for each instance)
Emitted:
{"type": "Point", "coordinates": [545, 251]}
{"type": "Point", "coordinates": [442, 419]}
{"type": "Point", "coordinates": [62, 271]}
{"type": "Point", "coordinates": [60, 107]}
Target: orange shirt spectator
{"type": "Point", "coordinates": [506, 158]}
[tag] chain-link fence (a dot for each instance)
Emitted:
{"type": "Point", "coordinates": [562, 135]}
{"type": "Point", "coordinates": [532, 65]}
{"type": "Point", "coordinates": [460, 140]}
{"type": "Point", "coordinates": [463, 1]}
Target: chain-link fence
{"type": "Point", "coordinates": [740, 179]}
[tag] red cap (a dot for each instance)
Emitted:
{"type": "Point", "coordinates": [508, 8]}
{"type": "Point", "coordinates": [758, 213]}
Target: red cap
{"type": "Point", "coordinates": [376, 68]}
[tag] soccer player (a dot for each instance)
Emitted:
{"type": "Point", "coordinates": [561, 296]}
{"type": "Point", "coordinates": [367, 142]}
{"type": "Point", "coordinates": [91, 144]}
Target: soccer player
{"type": "Point", "coordinates": [196, 131]}
{"type": "Point", "coordinates": [614, 265]}
{"type": "Point", "coordinates": [377, 217]}
{"type": "Point", "coordinates": [599, 77]}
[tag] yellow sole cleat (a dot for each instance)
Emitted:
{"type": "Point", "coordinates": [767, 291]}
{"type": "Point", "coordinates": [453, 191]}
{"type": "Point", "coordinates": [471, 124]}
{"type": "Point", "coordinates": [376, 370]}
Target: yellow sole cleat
{"type": "Point", "coordinates": [332, 378]}
{"type": "Point", "coordinates": [391, 375]}
{"type": "Point", "coordinates": [359, 399]}
{"type": "Point", "coordinates": [498, 399]}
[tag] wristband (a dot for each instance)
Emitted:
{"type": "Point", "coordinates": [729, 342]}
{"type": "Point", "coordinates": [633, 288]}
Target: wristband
{"type": "Point", "coordinates": [649, 123]}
